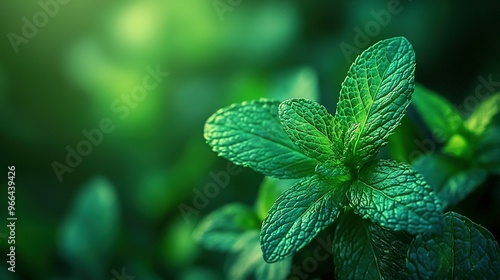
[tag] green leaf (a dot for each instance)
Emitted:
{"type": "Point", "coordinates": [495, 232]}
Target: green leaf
{"type": "Point", "coordinates": [484, 113]}
{"type": "Point", "coordinates": [455, 179]}
{"type": "Point", "coordinates": [250, 134]}
{"type": "Point", "coordinates": [269, 191]}
{"type": "Point", "coordinates": [87, 233]}
{"type": "Point", "coordinates": [487, 150]}
{"type": "Point", "coordinates": [438, 113]}
{"type": "Point", "coordinates": [333, 169]}
{"type": "Point", "coordinates": [363, 250]}
{"type": "Point", "coordinates": [299, 214]}
{"type": "Point", "coordinates": [464, 250]}
{"type": "Point", "coordinates": [177, 246]}
{"type": "Point", "coordinates": [221, 229]}
{"type": "Point", "coordinates": [310, 127]}
{"type": "Point", "coordinates": [350, 137]}
{"type": "Point", "coordinates": [234, 228]}
{"type": "Point", "coordinates": [375, 95]}
{"type": "Point", "coordinates": [248, 261]}
{"type": "Point", "coordinates": [395, 196]}
{"type": "Point", "coordinates": [461, 184]}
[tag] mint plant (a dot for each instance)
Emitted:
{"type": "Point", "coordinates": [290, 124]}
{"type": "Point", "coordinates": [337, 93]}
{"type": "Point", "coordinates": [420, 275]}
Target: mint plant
{"type": "Point", "coordinates": [377, 205]}
{"type": "Point", "coordinates": [471, 147]}
{"type": "Point", "coordinates": [235, 229]}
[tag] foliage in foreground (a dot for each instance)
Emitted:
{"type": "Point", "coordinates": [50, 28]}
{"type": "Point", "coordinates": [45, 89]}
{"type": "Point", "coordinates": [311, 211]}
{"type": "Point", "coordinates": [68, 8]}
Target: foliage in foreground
{"type": "Point", "coordinates": [380, 205]}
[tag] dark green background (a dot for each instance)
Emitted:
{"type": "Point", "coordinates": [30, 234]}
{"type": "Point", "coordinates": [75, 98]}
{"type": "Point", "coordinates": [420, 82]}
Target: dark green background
{"type": "Point", "coordinates": [65, 78]}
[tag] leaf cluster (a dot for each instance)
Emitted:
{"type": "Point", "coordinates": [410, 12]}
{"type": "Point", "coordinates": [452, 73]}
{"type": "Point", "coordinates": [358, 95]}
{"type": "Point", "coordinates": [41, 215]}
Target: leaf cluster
{"type": "Point", "coordinates": [379, 205]}
{"type": "Point", "coordinates": [471, 146]}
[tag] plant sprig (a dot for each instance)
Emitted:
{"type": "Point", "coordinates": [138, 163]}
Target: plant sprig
{"type": "Point", "coordinates": [334, 155]}
{"type": "Point", "coordinates": [390, 221]}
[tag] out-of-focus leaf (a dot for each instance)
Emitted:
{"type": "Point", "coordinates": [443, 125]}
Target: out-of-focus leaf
{"type": "Point", "coordinates": [234, 228]}
{"type": "Point", "coordinates": [363, 250]}
{"type": "Point", "coordinates": [452, 179]}
{"type": "Point", "coordinates": [246, 85]}
{"type": "Point", "coordinates": [487, 149]}
{"type": "Point", "coordinates": [249, 261]}
{"type": "Point", "coordinates": [458, 145]}
{"type": "Point", "coordinates": [483, 114]}
{"type": "Point", "coordinates": [462, 184]}
{"type": "Point", "coordinates": [464, 250]}
{"type": "Point", "coordinates": [179, 245]}
{"type": "Point", "coordinates": [88, 232]}
{"type": "Point", "coordinates": [437, 112]}
{"type": "Point", "coordinates": [199, 272]}
{"type": "Point", "coordinates": [395, 196]}
{"type": "Point", "coordinates": [299, 83]}
{"type": "Point", "coordinates": [401, 143]}
{"type": "Point", "coordinates": [221, 229]}
{"type": "Point", "coordinates": [269, 29]}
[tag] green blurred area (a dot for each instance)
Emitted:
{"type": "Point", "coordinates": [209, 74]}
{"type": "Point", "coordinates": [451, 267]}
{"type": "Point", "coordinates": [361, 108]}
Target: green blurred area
{"type": "Point", "coordinates": [131, 203]}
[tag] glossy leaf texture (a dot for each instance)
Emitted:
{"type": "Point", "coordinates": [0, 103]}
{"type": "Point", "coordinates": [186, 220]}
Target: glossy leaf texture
{"type": "Point", "coordinates": [250, 134]}
{"type": "Point", "coordinates": [395, 196]}
{"type": "Point", "coordinates": [375, 95]}
{"type": "Point", "coordinates": [221, 229]}
{"type": "Point", "coordinates": [464, 250]}
{"type": "Point", "coordinates": [437, 112]}
{"type": "Point", "coordinates": [363, 250]}
{"type": "Point", "coordinates": [455, 179]}
{"type": "Point", "coordinates": [310, 126]}
{"type": "Point", "coordinates": [299, 214]}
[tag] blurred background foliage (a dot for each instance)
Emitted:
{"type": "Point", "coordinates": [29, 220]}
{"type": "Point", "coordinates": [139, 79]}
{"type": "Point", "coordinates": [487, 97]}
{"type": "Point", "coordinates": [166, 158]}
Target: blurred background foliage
{"type": "Point", "coordinates": [118, 210]}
